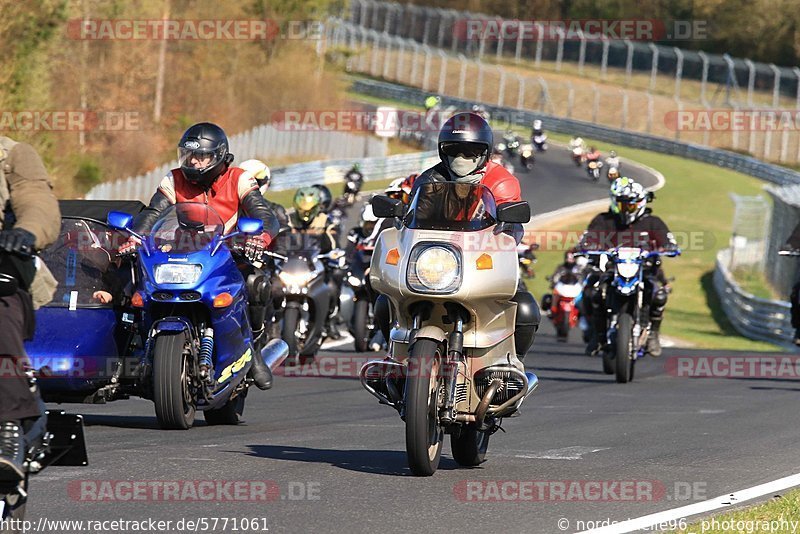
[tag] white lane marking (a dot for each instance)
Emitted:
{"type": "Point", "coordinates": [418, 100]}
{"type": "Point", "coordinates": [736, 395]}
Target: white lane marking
{"type": "Point", "coordinates": [566, 453]}
{"type": "Point", "coordinates": [683, 512]}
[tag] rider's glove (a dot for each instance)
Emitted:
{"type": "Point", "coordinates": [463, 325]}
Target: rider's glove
{"type": "Point", "coordinates": [17, 240]}
{"type": "Point", "coordinates": [129, 246]}
{"type": "Point", "coordinates": [256, 245]}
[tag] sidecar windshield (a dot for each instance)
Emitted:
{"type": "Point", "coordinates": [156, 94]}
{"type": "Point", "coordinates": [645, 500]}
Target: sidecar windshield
{"type": "Point", "coordinates": [186, 227]}
{"type": "Point", "coordinates": [82, 261]}
{"type": "Point", "coordinates": [451, 206]}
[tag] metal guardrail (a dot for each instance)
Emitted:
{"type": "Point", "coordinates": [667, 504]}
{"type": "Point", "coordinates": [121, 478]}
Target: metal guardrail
{"type": "Point", "coordinates": [751, 316]}
{"type": "Point", "coordinates": [332, 171]}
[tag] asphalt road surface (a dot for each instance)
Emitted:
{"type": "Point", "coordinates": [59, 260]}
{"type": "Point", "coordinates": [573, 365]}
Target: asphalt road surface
{"type": "Point", "coordinates": [333, 459]}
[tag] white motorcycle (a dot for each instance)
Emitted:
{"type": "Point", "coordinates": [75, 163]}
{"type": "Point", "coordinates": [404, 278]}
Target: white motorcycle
{"type": "Point", "coordinates": [452, 367]}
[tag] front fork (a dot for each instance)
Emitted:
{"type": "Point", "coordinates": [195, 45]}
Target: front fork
{"type": "Point", "coordinates": [453, 361]}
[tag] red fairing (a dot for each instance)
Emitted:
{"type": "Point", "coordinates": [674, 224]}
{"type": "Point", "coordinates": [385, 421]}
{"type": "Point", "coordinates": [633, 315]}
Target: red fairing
{"type": "Point", "coordinates": [503, 185]}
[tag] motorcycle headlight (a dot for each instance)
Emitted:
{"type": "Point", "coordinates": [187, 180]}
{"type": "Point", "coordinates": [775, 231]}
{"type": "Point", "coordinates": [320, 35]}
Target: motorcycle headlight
{"type": "Point", "coordinates": [354, 281]}
{"type": "Point", "coordinates": [295, 279]}
{"type": "Point", "coordinates": [177, 273]}
{"type": "Point", "coordinates": [628, 270]}
{"type": "Point", "coordinates": [434, 269]}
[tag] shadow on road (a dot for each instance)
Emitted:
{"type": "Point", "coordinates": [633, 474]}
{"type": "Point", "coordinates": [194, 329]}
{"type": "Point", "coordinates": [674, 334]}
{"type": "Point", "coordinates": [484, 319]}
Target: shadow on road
{"type": "Point", "coordinates": [391, 463]}
{"type": "Point", "coordinates": [121, 421]}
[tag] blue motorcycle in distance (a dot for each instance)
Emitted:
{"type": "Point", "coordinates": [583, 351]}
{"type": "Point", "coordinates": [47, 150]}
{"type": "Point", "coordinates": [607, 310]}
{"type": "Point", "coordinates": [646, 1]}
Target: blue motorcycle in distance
{"type": "Point", "coordinates": [193, 317]}
{"type": "Point", "coordinates": [628, 320]}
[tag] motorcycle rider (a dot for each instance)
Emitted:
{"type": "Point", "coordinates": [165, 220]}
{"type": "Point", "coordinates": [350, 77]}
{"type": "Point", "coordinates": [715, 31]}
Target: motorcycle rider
{"type": "Point", "coordinates": [538, 137]}
{"type": "Point", "coordinates": [309, 221]}
{"type": "Point", "coordinates": [205, 175]}
{"type": "Point", "coordinates": [465, 144]}
{"type": "Point", "coordinates": [263, 176]}
{"type": "Point", "coordinates": [432, 103]}
{"type": "Point", "coordinates": [593, 154]}
{"type": "Point", "coordinates": [613, 160]}
{"type": "Point", "coordinates": [623, 225]}
{"type": "Point", "coordinates": [355, 176]}
{"type": "Point", "coordinates": [29, 220]}
{"type": "Point", "coordinates": [570, 265]}
{"type": "Point", "coordinates": [577, 142]}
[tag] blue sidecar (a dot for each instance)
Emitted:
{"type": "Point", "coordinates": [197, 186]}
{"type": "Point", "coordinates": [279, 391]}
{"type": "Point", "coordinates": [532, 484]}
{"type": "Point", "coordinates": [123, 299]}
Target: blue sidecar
{"type": "Point", "coordinates": [81, 342]}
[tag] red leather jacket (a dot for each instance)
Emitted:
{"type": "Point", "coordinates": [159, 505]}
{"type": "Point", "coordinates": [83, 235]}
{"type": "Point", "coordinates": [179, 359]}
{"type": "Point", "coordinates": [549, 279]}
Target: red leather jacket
{"type": "Point", "coordinates": [503, 185]}
{"type": "Point", "coordinates": [234, 191]}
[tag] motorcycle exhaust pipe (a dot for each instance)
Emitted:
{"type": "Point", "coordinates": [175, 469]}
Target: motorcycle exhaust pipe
{"type": "Point", "coordinates": [486, 400]}
{"type": "Point", "coordinates": [274, 353]}
{"type": "Point", "coordinates": [533, 383]}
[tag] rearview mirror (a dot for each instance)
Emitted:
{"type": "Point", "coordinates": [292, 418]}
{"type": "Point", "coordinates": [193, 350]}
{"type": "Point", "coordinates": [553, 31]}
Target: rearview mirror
{"type": "Point", "coordinates": [119, 220]}
{"type": "Point", "coordinates": [383, 206]}
{"type": "Point", "coordinates": [249, 226]}
{"type": "Point", "coordinates": [514, 212]}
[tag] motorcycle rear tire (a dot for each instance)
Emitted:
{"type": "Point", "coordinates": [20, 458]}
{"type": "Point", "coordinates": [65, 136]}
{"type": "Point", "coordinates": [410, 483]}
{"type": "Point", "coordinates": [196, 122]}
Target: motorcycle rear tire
{"type": "Point", "coordinates": [469, 446]}
{"type": "Point", "coordinates": [423, 432]}
{"type": "Point", "coordinates": [623, 348]}
{"type": "Point", "coordinates": [291, 316]}
{"type": "Point", "coordinates": [562, 328]}
{"type": "Point", "coordinates": [175, 407]}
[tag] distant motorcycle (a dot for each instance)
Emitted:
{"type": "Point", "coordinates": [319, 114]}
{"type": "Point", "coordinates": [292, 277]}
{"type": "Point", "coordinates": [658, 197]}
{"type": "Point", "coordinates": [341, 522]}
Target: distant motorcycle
{"type": "Point", "coordinates": [577, 156]}
{"type": "Point", "coordinates": [353, 182]}
{"type": "Point", "coordinates": [526, 157]}
{"type": "Point", "coordinates": [593, 169]}
{"type": "Point", "coordinates": [564, 311]}
{"type": "Point", "coordinates": [527, 259]}
{"type": "Point", "coordinates": [540, 142]}
{"type": "Point", "coordinates": [362, 325]}
{"type": "Point", "coordinates": [306, 299]}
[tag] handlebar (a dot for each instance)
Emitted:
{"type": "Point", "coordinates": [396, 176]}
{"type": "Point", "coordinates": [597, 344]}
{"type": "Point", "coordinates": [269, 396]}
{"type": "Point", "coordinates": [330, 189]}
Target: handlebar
{"type": "Point", "coordinates": [670, 253]}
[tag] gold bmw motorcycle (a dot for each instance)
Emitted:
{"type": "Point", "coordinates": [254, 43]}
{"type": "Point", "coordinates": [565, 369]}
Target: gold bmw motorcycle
{"type": "Point", "coordinates": [449, 269]}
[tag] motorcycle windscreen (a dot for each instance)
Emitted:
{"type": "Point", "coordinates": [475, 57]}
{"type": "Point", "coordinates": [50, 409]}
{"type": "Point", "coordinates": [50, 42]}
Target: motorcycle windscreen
{"type": "Point", "coordinates": [186, 227]}
{"type": "Point", "coordinates": [452, 206]}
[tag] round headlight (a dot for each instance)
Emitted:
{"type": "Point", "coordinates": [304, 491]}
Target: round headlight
{"type": "Point", "coordinates": [437, 268]}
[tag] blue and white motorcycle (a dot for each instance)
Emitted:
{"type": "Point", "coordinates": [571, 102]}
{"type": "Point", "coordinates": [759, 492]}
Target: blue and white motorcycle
{"type": "Point", "coordinates": [628, 321]}
{"type": "Point", "coordinates": [193, 315]}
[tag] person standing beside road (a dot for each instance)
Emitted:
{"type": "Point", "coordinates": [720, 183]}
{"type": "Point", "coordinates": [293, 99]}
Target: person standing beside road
{"type": "Point", "coordinates": [29, 221]}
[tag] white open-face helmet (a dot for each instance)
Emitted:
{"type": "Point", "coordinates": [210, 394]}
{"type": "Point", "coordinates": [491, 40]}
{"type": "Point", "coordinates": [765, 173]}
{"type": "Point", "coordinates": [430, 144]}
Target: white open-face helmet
{"type": "Point", "coordinates": [259, 170]}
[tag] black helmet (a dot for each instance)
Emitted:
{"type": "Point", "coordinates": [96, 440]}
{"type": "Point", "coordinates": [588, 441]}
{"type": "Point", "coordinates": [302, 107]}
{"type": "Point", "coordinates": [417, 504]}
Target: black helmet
{"type": "Point", "coordinates": [204, 141]}
{"type": "Point", "coordinates": [465, 135]}
{"type": "Point", "coordinates": [325, 196]}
